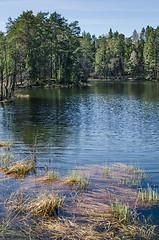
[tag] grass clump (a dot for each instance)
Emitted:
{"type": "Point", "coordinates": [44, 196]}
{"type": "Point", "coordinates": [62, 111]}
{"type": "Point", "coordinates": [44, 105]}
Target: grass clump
{"type": "Point", "coordinates": [46, 204]}
{"type": "Point", "coordinates": [6, 159]}
{"type": "Point", "coordinates": [20, 169]}
{"type": "Point", "coordinates": [2, 144]}
{"type": "Point", "coordinates": [17, 202]}
{"type": "Point", "coordinates": [120, 212]}
{"type": "Point", "coordinates": [51, 175]}
{"type": "Point", "coordinates": [75, 178]}
{"type": "Point", "coordinates": [139, 172]}
{"type": "Point", "coordinates": [8, 144]}
{"type": "Point", "coordinates": [72, 229]}
{"type": "Point", "coordinates": [131, 176]}
{"type": "Point", "coordinates": [42, 204]}
{"type": "Point", "coordinates": [106, 171]}
{"type": "Point", "coordinates": [149, 196]}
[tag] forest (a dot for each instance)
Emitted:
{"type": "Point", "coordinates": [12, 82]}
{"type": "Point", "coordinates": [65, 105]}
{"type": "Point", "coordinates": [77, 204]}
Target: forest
{"type": "Point", "coordinates": [44, 49]}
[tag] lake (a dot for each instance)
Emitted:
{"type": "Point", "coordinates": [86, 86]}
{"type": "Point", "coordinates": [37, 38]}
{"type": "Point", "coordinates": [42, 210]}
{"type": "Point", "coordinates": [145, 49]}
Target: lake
{"type": "Point", "coordinates": [105, 123]}
{"type": "Point", "coordinates": [108, 122]}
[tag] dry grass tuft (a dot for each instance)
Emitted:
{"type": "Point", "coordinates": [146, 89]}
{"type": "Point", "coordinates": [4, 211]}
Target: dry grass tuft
{"type": "Point", "coordinates": [2, 144]}
{"type": "Point", "coordinates": [20, 169]}
{"type": "Point", "coordinates": [62, 228]}
{"type": "Point", "coordinates": [17, 202]}
{"type": "Point", "coordinates": [46, 204]}
{"type": "Point", "coordinates": [8, 144]}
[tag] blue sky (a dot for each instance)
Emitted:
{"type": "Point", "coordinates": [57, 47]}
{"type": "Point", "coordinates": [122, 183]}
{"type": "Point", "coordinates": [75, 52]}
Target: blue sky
{"type": "Point", "coordinates": [94, 16]}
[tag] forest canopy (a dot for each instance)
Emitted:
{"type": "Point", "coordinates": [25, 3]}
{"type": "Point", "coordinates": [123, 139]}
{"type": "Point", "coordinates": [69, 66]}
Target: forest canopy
{"type": "Point", "coordinates": [41, 49]}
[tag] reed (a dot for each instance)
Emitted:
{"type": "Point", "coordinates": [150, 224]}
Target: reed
{"type": "Point", "coordinates": [149, 196]}
{"type": "Point", "coordinates": [106, 171]}
{"type": "Point", "coordinates": [131, 176]}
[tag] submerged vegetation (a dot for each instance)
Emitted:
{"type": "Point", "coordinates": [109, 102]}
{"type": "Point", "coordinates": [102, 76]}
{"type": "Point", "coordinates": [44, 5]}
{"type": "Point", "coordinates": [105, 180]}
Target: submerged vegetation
{"type": "Point", "coordinates": [45, 50]}
{"type": "Point", "coordinates": [72, 208]}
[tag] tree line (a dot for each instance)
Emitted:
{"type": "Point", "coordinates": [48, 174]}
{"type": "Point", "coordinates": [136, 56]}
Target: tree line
{"type": "Point", "coordinates": [45, 48]}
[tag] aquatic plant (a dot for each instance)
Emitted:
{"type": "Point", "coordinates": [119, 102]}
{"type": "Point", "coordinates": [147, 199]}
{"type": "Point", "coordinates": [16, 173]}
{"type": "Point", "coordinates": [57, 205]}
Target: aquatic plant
{"type": "Point", "coordinates": [6, 160]}
{"type": "Point", "coordinates": [89, 217]}
{"type": "Point", "coordinates": [17, 202]}
{"type": "Point", "coordinates": [63, 228]}
{"type": "Point", "coordinates": [106, 171]}
{"type": "Point", "coordinates": [51, 175]}
{"type": "Point", "coordinates": [7, 144]}
{"type": "Point", "coordinates": [130, 176]}
{"type": "Point", "coordinates": [77, 179]}
{"type": "Point", "coordinates": [2, 144]}
{"type": "Point", "coordinates": [139, 172]}
{"type": "Point", "coordinates": [149, 196]}
{"type": "Point", "coordinates": [21, 168]}
{"type": "Point", "coordinates": [46, 204]}
{"type": "Point", "coordinates": [120, 211]}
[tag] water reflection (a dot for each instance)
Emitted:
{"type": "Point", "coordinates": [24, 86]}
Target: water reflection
{"type": "Point", "coordinates": [107, 122]}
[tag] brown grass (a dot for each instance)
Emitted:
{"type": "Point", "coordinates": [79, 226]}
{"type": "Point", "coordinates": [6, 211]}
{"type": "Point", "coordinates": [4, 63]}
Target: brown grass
{"type": "Point", "coordinates": [71, 229]}
{"type": "Point", "coordinates": [20, 169]}
{"type": "Point", "coordinates": [46, 204]}
{"type": "Point", "coordinates": [88, 214]}
{"type": "Point", "coordinates": [2, 144]}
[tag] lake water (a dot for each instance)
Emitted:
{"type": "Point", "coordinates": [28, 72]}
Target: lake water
{"type": "Point", "coordinates": [108, 122]}
{"type": "Point", "coordinates": [105, 123]}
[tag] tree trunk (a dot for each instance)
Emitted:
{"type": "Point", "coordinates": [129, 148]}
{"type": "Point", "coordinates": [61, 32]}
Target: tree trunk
{"type": "Point", "coordinates": [155, 75]}
{"type": "Point", "coordinates": [14, 79]}
{"type": "Point", "coordinates": [7, 81]}
{"type": "Point", "coordinates": [56, 67]}
{"type": "Point", "coordinates": [51, 66]}
{"type": "Point", "coordinates": [2, 84]}
{"type": "Point", "coordinates": [59, 68]}
{"type": "Point", "coordinates": [65, 60]}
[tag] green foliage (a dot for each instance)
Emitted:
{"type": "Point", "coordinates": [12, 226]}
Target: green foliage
{"type": "Point", "coordinates": [121, 212]}
{"type": "Point", "coordinates": [51, 175]}
{"type": "Point", "coordinates": [149, 196]}
{"type": "Point", "coordinates": [76, 179]}
{"type": "Point", "coordinates": [39, 49]}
